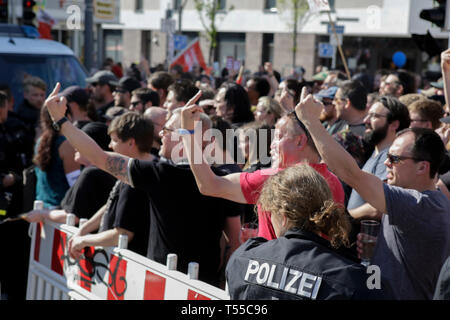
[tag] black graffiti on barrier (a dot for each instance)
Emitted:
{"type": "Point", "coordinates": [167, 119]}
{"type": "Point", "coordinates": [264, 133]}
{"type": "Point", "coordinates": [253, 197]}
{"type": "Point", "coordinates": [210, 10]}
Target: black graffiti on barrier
{"type": "Point", "coordinates": [96, 268]}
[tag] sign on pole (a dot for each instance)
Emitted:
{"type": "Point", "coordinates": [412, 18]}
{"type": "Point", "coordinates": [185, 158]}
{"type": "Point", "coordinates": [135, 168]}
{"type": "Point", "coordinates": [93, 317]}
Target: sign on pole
{"type": "Point", "coordinates": [180, 42]}
{"type": "Point", "coordinates": [168, 25]}
{"type": "Point", "coordinates": [338, 29]}
{"type": "Point", "coordinates": [326, 50]}
{"type": "Point", "coordinates": [105, 9]}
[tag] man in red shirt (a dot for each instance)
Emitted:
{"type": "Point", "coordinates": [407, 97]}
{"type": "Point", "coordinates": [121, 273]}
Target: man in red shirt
{"type": "Point", "coordinates": [291, 145]}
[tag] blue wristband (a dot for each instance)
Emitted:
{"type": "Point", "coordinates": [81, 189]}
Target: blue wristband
{"type": "Point", "coordinates": [184, 132]}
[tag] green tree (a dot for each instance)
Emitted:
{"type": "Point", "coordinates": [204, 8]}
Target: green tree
{"type": "Point", "coordinates": [208, 10]}
{"type": "Point", "coordinates": [299, 15]}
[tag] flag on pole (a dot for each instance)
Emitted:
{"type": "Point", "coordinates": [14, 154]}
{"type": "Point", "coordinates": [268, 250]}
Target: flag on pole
{"type": "Point", "coordinates": [46, 22]}
{"type": "Point", "coordinates": [190, 57]}
{"type": "Point", "coordinates": [318, 5]}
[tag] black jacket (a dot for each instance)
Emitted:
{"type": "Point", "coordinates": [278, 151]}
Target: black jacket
{"type": "Point", "coordinates": [299, 265]}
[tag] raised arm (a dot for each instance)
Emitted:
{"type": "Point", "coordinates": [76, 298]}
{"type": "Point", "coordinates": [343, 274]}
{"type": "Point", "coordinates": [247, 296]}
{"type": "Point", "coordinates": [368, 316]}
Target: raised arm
{"type": "Point", "coordinates": [445, 66]}
{"type": "Point", "coordinates": [113, 163]}
{"type": "Point", "coordinates": [338, 160]}
{"type": "Point", "coordinates": [227, 187]}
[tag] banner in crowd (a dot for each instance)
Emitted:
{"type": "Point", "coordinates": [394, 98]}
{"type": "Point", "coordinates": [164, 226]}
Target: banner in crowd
{"type": "Point", "coordinates": [190, 57]}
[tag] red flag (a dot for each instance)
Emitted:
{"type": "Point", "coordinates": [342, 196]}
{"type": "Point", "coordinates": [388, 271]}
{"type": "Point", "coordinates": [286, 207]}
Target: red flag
{"type": "Point", "coordinates": [190, 57]}
{"type": "Point", "coordinates": [46, 23]}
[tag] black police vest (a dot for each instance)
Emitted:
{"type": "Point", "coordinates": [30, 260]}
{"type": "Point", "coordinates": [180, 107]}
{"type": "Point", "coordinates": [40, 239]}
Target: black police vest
{"type": "Point", "coordinates": [300, 265]}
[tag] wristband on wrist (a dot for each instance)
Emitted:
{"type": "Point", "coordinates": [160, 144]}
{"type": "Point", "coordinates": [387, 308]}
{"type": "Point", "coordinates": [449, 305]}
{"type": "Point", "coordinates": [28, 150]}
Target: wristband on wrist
{"type": "Point", "coordinates": [184, 132]}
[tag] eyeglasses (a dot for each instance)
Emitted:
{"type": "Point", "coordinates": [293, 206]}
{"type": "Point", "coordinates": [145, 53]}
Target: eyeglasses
{"type": "Point", "coordinates": [397, 159]}
{"type": "Point", "coordinates": [376, 115]}
{"type": "Point", "coordinates": [336, 99]}
{"type": "Point", "coordinates": [135, 103]}
{"type": "Point", "coordinates": [166, 130]}
{"type": "Point", "coordinates": [391, 83]}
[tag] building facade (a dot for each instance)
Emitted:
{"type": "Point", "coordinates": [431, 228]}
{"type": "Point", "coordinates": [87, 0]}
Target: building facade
{"type": "Point", "coordinates": [255, 31]}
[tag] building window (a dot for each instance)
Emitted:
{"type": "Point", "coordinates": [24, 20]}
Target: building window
{"type": "Point", "coordinates": [176, 5]}
{"type": "Point", "coordinates": [271, 5]}
{"type": "Point", "coordinates": [267, 52]}
{"type": "Point", "coordinates": [138, 5]}
{"type": "Point", "coordinates": [222, 4]}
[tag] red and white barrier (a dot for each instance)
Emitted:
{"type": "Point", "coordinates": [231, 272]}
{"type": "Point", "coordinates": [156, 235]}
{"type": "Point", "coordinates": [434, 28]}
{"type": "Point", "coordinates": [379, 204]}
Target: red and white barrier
{"type": "Point", "coordinates": [105, 273]}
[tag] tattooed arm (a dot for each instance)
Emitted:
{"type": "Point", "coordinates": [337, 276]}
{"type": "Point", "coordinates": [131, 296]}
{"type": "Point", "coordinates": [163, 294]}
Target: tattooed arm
{"type": "Point", "coordinates": [113, 163]}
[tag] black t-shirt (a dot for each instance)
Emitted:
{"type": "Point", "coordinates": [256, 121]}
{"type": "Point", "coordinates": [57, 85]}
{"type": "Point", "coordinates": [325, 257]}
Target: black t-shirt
{"type": "Point", "coordinates": [183, 221]}
{"type": "Point", "coordinates": [128, 208]}
{"type": "Point", "coordinates": [89, 193]}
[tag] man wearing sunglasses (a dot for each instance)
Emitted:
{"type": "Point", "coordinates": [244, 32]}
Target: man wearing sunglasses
{"type": "Point", "coordinates": [386, 117]}
{"type": "Point", "coordinates": [414, 239]}
{"type": "Point", "coordinates": [124, 87]}
{"type": "Point", "coordinates": [102, 90]}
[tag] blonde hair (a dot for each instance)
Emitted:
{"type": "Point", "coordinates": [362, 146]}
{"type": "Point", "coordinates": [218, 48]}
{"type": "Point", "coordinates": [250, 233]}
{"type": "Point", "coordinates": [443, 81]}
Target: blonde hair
{"type": "Point", "coordinates": [410, 98]}
{"type": "Point", "coordinates": [34, 82]}
{"type": "Point", "coordinates": [271, 106]}
{"type": "Point", "coordinates": [303, 196]}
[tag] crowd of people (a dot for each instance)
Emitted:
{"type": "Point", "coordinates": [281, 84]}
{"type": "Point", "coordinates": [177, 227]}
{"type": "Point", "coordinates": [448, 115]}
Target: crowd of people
{"type": "Point", "coordinates": [180, 161]}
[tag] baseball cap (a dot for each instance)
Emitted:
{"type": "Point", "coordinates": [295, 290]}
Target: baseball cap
{"type": "Point", "coordinates": [102, 77]}
{"type": "Point", "coordinates": [98, 131]}
{"type": "Point", "coordinates": [327, 93]}
{"type": "Point", "coordinates": [126, 84]}
{"type": "Point", "coordinates": [321, 76]}
{"type": "Point", "coordinates": [438, 84]}
{"type": "Point", "coordinates": [76, 94]}
{"type": "Point", "coordinates": [113, 112]}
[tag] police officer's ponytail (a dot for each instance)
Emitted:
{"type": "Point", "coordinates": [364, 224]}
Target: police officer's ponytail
{"type": "Point", "coordinates": [333, 222]}
{"type": "Point", "coordinates": [303, 197]}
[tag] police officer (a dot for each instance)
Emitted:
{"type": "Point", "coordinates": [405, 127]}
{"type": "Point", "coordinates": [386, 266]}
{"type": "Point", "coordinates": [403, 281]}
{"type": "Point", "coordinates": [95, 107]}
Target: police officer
{"type": "Point", "coordinates": [304, 262]}
{"type": "Point", "coordinates": [14, 242]}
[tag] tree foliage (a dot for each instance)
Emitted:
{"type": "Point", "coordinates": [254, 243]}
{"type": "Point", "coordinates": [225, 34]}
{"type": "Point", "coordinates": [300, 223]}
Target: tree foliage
{"type": "Point", "coordinates": [208, 11]}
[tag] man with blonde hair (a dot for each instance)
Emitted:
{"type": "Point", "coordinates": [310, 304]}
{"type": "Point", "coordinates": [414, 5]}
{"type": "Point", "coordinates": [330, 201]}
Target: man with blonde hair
{"type": "Point", "coordinates": [34, 91]}
{"type": "Point", "coordinates": [426, 114]}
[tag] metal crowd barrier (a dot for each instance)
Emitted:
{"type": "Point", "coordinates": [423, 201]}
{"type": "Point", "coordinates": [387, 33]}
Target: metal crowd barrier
{"type": "Point", "coordinates": [105, 273]}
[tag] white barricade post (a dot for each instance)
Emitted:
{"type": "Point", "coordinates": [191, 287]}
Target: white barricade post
{"type": "Point", "coordinates": [82, 221]}
{"type": "Point", "coordinates": [123, 241]}
{"type": "Point", "coordinates": [172, 261]}
{"type": "Point", "coordinates": [70, 219]}
{"type": "Point", "coordinates": [106, 273]}
{"type": "Point", "coordinates": [193, 270]}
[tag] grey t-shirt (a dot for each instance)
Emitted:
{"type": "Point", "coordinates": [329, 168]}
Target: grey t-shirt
{"type": "Point", "coordinates": [374, 165]}
{"type": "Point", "coordinates": [414, 241]}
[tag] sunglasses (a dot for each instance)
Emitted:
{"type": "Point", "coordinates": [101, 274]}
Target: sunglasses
{"type": "Point", "coordinates": [397, 159]}
{"type": "Point", "coordinates": [293, 114]}
{"type": "Point", "coordinates": [166, 130]}
{"type": "Point", "coordinates": [135, 103]}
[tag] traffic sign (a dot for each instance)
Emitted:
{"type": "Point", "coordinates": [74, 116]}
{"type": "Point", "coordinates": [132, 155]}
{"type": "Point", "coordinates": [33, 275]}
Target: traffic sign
{"type": "Point", "coordinates": [180, 42]}
{"type": "Point", "coordinates": [338, 29]}
{"type": "Point", "coordinates": [335, 42]}
{"type": "Point", "coordinates": [326, 50]}
{"type": "Point", "coordinates": [168, 25]}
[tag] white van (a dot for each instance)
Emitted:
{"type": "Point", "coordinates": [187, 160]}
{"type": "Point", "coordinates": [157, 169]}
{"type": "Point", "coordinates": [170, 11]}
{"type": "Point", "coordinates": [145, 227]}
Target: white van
{"type": "Point", "coordinates": [22, 55]}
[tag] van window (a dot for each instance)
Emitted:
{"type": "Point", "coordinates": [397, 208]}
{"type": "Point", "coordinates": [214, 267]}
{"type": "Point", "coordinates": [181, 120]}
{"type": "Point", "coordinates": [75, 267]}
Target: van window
{"type": "Point", "coordinates": [52, 69]}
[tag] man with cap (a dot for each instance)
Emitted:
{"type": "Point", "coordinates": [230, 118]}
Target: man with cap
{"type": "Point", "coordinates": [102, 88]}
{"type": "Point", "coordinates": [80, 111]}
{"type": "Point", "coordinates": [328, 116]}
{"type": "Point", "coordinates": [124, 87]}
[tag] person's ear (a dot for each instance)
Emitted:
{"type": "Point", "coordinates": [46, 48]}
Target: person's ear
{"type": "Point", "coordinates": [394, 125]}
{"type": "Point", "coordinates": [423, 168]}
